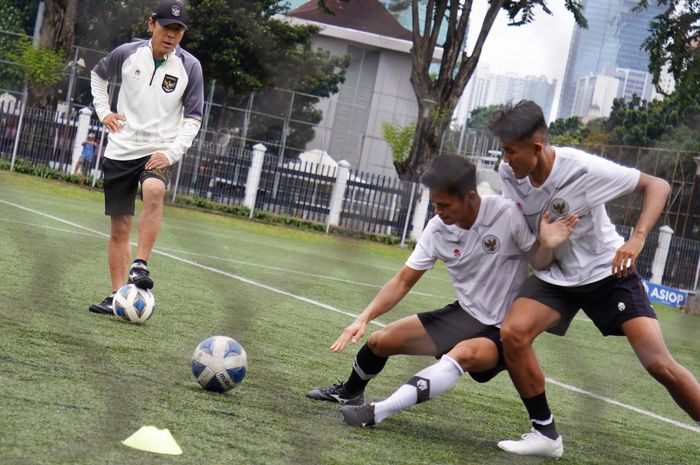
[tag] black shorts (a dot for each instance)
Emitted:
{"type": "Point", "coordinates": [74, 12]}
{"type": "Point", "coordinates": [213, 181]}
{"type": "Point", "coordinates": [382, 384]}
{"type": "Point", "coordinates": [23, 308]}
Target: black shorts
{"type": "Point", "coordinates": [608, 302]}
{"type": "Point", "coordinates": [121, 183]}
{"type": "Point", "coordinates": [451, 325]}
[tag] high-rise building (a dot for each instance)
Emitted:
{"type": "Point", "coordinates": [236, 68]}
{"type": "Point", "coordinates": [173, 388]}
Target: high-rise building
{"type": "Point", "coordinates": [613, 39]}
{"type": "Point", "coordinates": [594, 96]}
{"type": "Point", "coordinates": [485, 89]}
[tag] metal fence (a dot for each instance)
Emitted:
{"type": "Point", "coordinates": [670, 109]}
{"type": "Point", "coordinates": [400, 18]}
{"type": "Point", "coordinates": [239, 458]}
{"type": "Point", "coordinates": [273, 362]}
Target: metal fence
{"type": "Point", "coordinates": [378, 204]}
{"type": "Point", "coordinates": [682, 212]}
{"type": "Point", "coordinates": [47, 137]}
{"type": "Point", "coordinates": [298, 189]}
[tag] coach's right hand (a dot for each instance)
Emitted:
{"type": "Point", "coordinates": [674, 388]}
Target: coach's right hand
{"type": "Point", "coordinates": [355, 332]}
{"type": "Point", "coordinates": [114, 122]}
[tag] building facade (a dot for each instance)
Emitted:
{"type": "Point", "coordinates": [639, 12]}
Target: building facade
{"type": "Point", "coordinates": [613, 39]}
{"type": "Point", "coordinates": [377, 87]}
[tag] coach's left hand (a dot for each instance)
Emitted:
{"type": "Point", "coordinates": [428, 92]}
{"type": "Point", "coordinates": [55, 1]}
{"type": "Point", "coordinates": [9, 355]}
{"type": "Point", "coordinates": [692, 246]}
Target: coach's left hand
{"type": "Point", "coordinates": [626, 256]}
{"type": "Point", "coordinates": [157, 161]}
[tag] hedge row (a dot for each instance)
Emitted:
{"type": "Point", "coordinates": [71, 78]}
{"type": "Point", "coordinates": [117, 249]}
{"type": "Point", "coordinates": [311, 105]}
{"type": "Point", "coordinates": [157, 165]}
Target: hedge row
{"type": "Point", "coordinates": [43, 171]}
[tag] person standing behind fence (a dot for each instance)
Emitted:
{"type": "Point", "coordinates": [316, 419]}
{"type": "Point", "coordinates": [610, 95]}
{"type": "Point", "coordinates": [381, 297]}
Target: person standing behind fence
{"type": "Point", "coordinates": [159, 113]}
{"type": "Point", "coordinates": [85, 160]}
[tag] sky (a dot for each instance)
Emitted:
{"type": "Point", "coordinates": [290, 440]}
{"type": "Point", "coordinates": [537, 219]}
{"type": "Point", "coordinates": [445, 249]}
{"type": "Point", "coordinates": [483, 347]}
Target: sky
{"type": "Point", "coordinates": [538, 48]}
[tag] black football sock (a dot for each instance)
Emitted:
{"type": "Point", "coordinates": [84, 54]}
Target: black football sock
{"type": "Point", "coordinates": [540, 415]}
{"type": "Point", "coordinates": [365, 367]}
{"type": "Point", "coordinates": [143, 262]}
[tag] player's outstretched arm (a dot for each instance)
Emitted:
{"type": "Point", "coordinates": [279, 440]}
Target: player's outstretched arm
{"type": "Point", "coordinates": [390, 294]}
{"type": "Point", "coordinates": [656, 192]}
{"type": "Point", "coordinates": [551, 236]}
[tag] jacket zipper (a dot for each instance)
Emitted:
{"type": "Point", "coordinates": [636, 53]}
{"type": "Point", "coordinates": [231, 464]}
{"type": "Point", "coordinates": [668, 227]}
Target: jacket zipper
{"type": "Point", "coordinates": [153, 75]}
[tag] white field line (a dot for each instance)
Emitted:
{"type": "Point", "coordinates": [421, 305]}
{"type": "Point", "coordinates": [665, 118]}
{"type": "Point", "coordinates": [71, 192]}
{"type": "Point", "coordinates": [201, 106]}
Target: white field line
{"type": "Point", "coordinates": [569, 387]}
{"type": "Point", "coordinates": [258, 265]}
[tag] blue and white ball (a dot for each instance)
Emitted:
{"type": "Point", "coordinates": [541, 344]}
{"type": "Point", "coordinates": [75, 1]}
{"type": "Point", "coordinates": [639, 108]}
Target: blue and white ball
{"type": "Point", "coordinates": [133, 304]}
{"type": "Point", "coordinates": [219, 363]}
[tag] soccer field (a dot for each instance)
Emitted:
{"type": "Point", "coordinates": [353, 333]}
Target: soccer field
{"type": "Point", "coordinates": [73, 385]}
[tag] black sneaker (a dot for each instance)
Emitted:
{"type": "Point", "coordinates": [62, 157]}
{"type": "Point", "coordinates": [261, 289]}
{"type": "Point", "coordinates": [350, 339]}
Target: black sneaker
{"type": "Point", "coordinates": [139, 275]}
{"type": "Point", "coordinates": [104, 308]}
{"type": "Point", "coordinates": [336, 393]}
{"type": "Point", "coordinates": [358, 415]}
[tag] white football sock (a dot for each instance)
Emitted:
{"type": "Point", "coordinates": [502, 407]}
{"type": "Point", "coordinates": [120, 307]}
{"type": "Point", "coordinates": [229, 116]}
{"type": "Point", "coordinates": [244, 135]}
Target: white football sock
{"type": "Point", "coordinates": [427, 384]}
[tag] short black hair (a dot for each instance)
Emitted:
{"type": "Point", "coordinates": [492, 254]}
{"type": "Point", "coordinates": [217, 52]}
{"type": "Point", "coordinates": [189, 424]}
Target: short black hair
{"type": "Point", "coordinates": [453, 173]}
{"type": "Point", "coordinates": [518, 122]}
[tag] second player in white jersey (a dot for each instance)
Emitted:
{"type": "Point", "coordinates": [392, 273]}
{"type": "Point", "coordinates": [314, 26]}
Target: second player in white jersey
{"type": "Point", "coordinates": [484, 243]}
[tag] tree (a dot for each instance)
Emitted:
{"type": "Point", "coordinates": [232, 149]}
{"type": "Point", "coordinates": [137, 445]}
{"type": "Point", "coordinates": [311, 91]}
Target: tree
{"type": "Point", "coordinates": [674, 44]}
{"type": "Point", "coordinates": [40, 66]}
{"type": "Point", "coordinates": [247, 50]}
{"type": "Point", "coordinates": [399, 139]}
{"type": "Point", "coordinates": [479, 117]}
{"type": "Point", "coordinates": [566, 131]}
{"type": "Point", "coordinates": [437, 98]}
{"type": "Point", "coordinates": [57, 34]}
{"type": "Point", "coordinates": [11, 21]}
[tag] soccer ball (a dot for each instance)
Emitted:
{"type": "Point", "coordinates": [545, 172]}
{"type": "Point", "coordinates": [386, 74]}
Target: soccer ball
{"type": "Point", "coordinates": [219, 363]}
{"type": "Point", "coordinates": [133, 304]}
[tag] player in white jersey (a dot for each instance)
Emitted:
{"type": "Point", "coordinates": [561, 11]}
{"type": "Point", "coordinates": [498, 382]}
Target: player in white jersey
{"type": "Point", "coordinates": [593, 270]}
{"type": "Point", "coordinates": [482, 242]}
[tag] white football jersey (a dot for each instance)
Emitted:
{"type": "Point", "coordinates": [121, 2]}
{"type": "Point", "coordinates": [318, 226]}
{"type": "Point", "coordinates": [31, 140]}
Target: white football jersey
{"type": "Point", "coordinates": [579, 183]}
{"type": "Point", "coordinates": [486, 262]}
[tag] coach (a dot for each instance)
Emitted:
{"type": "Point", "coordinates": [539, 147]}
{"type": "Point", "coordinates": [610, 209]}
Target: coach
{"type": "Point", "coordinates": [159, 112]}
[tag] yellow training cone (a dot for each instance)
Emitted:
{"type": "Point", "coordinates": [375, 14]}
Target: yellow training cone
{"type": "Point", "coordinates": [152, 439]}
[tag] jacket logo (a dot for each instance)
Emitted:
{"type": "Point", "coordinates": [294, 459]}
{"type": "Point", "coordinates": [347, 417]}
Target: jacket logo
{"type": "Point", "coordinates": [559, 207]}
{"type": "Point", "coordinates": [169, 83]}
{"type": "Point", "coordinates": [490, 244]}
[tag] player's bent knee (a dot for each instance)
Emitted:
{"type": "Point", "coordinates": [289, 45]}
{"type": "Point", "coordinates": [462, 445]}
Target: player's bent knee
{"type": "Point", "coordinates": [661, 368]}
{"type": "Point", "coordinates": [467, 357]}
{"type": "Point", "coordinates": [515, 337]}
{"type": "Point", "coordinates": [380, 343]}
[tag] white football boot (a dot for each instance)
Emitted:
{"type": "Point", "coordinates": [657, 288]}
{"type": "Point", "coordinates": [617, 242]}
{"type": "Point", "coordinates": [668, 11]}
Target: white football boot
{"type": "Point", "coordinates": [535, 443]}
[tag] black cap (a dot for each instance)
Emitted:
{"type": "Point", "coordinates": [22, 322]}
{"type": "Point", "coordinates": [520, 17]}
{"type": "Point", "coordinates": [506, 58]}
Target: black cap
{"type": "Point", "coordinates": [171, 12]}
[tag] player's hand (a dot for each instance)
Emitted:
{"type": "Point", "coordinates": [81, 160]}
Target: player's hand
{"type": "Point", "coordinates": [355, 332]}
{"type": "Point", "coordinates": [626, 256]}
{"type": "Point", "coordinates": [114, 122]}
{"type": "Point", "coordinates": [557, 232]}
{"type": "Point", "coordinates": [157, 161]}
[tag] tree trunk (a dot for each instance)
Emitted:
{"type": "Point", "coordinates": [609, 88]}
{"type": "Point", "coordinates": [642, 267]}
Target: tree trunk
{"type": "Point", "coordinates": [57, 33]}
{"type": "Point", "coordinates": [438, 97]}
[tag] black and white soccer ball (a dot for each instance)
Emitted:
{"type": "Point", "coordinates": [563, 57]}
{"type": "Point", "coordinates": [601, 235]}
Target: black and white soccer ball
{"type": "Point", "coordinates": [133, 304]}
{"type": "Point", "coordinates": [219, 363]}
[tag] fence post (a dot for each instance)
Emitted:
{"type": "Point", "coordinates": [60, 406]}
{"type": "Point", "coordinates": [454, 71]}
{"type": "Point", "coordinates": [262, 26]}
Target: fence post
{"type": "Point", "coordinates": [408, 214]}
{"type": "Point", "coordinates": [659, 263]}
{"type": "Point", "coordinates": [421, 214]}
{"type": "Point", "coordinates": [80, 135]}
{"type": "Point", "coordinates": [19, 127]}
{"type": "Point", "coordinates": [338, 194]}
{"type": "Point", "coordinates": [253, 181]}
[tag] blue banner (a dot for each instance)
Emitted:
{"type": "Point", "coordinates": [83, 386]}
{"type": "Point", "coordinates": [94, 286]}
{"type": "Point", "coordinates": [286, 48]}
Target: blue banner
{"type": "Point", "coordinates": [664, 294]}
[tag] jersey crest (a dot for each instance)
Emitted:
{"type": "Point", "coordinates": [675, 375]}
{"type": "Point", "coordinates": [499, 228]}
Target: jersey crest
{"type": "Point", "coordinates": [559, 206]}
{"type": "Point", "coordinates": [169, 83]}
{"type": "Point", "coordinates": [490, 244]}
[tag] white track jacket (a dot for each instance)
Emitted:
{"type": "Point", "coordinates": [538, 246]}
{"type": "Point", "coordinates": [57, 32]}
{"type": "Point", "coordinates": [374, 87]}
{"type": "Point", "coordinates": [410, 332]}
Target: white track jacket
{"type": "Point", "coordinates": [163, 107]}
